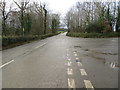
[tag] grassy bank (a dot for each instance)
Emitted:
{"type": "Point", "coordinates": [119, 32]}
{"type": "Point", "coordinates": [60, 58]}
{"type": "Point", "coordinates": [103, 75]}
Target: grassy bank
{"type": "Point", "coordinates": [9, 42]}
{"type": "Point", "coordinates": [94, 35]}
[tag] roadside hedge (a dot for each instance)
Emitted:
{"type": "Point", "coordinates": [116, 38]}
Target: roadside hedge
{"type": "Point", "coordinates": [9, 40]}
{"type": "Point", "coordinates": [94, 35]}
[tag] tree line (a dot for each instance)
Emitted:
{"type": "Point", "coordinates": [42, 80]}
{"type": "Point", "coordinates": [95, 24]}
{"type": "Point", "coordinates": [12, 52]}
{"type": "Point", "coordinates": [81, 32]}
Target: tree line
{"type": "Point", "coordinates": [25, 19]}
{"type": "Point", "coordinates": [93, 17]}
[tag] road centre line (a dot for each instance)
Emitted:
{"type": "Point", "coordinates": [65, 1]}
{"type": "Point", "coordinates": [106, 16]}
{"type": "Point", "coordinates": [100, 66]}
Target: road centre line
{"type": "Point", "coordinates": [75, 54]}
{"type": "Point", "coordinates": [6, 64]}
{"type": "Point", "coordinates": [41, 45]}
{"type": "Point", "coordinates": [88, 85]}
{"type": "Point", "coordinates": [69, 71]}
{"type": "Point", "coordinates": [69, 59]}
{"type": "Point", "coordinates": [77, 58]}
{"type": "Point", "coordinates": [71, 83]}
{"type": "Point", "coordinates": [79, 64]}
{"type": "Point", "coordinates": [83, 72]}
{"type": "Point", "coordinates": [69, 63]}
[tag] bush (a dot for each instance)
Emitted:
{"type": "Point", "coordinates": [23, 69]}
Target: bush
{"type": "Point", "coordinates": [98, 27]}
{"type": "Point", "coordinates": [94, 35]}
{"type": "Point", "coordinates": [8, 40]}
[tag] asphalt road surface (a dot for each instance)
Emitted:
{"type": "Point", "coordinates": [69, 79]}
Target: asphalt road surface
{"type": "Point", "coordinates": [62, 62]}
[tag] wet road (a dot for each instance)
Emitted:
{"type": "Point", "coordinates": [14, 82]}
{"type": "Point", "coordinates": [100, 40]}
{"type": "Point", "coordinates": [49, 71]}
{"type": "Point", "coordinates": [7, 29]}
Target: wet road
{"type": "Point", "coordinates": [62, 62]}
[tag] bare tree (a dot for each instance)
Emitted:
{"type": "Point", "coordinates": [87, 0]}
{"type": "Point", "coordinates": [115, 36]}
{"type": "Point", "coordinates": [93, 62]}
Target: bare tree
{"type": "Point", "coordinates": [22, 6]}
{"type": "Point", "coordinates": [5, 15]}
{"type": "Point", "coordinates": [45, 18]}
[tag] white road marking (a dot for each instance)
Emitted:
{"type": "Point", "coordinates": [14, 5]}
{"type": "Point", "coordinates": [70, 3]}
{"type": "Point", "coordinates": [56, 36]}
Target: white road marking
{"type": "Point", "coordinates": [71, 83]}
{"type": "Point", "coordinates": [77, 58]}
{"type": "Point", "coordinates": [69, 59]}
{"type": "Point", "coordinates": [76, 54]}
{"type": "Point", "coordinates": [83, 72]}
{"type": "Point", "coordinates": [112, 64]}
{"type": "Point", "coordinates": [6, 64]}
{"type": "Point", "coordinates": [69, 71]}
{"type": "Point", "coordinates": [41, 45]}
{"type": "Point", "coordinates": [79, 64]}
{"type": "Point", "coordinates": [69, 63]}
{"type": "Point", "coordinates": [88, 84]}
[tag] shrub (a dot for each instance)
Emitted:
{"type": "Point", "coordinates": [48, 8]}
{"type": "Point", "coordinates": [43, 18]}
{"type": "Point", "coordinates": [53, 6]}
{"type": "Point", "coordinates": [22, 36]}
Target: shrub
{"type": "Point", "coordinates": [94, 35]}
{"type": "Point", "coordinates": [9, 40]}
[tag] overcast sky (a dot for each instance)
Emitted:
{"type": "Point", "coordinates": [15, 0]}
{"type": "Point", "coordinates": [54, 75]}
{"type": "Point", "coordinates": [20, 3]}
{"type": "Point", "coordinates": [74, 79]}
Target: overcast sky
{"type": "Point", "coordinates": [59, 6]}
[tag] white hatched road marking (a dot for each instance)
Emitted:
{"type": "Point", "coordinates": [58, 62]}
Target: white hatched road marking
{"type": "Point", "coordinates": [79, 64]}
{"type": "Point", "coordinates": [83, 72]}
{"type": "Point", "coordinates": [69, 71]}
{"type": "Point", "coordinates": [88, 85]}
{"type": "Point", "coordinates": [6, 64]}
{"type": "Point", "coordinates": [71, 83]}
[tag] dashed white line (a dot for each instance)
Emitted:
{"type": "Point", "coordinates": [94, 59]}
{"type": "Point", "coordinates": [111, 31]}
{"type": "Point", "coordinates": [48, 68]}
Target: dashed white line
{"type": "Point", "coordinates": [41, 45]}
{"type": "Point", "coordinates": [79, 64]}
{"type": "Point", "coordinates": [77, 58]}
{"type": "Point", "coordinates": [69, 59]}
{"type": "Point", "coordinates": [69, 63]}
{"type": "Point", "coordinates": [88, 84]}
{"type": "Point", "coordinates": [69, 71]}
{"type": "Point", "coordinates": [71, 83]}
{"type": "Point", "coordinates": [83, 72]}
{"type": "Point", "coordinates": [75, 54]}
{"type": "Point", "coordinates": [6, 64]}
